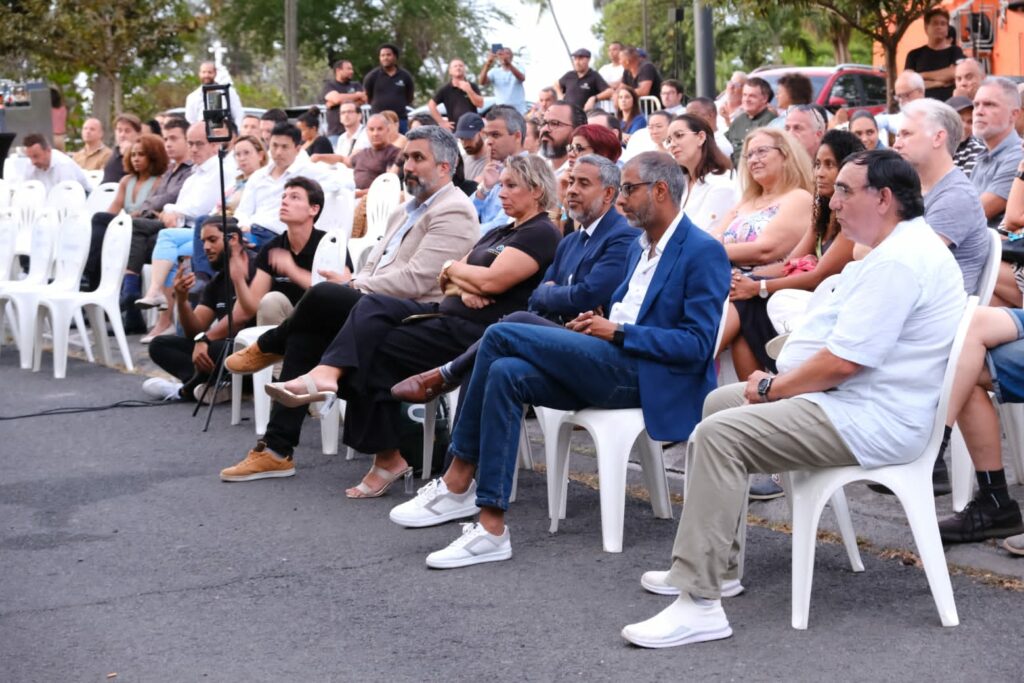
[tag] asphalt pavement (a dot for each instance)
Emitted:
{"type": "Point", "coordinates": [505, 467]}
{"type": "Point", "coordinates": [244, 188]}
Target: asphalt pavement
{"type": "Point", "coordinates": [124, 558]}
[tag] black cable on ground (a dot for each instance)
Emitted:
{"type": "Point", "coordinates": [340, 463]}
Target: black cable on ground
{"type": "Point", "coordinates": [88, 409]}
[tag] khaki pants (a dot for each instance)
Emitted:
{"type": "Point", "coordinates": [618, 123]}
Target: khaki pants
{"type": "Point", "coordinates": [731, 441]}
{"type": "Point", "coordinates": [274, 308]}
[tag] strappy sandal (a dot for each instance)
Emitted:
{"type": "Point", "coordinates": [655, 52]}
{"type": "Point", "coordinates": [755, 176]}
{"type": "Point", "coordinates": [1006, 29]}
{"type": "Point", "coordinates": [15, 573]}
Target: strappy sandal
{"type": "Point", "coordinates": [277, 391]}
{"type": "Point", "coordinates": [361, 490]}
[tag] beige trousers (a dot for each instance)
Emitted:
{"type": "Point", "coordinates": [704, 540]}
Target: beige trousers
{"type": "Point", "coordinates": [274, 308]}
{"type": "Point", "coordinates": [732, 440]}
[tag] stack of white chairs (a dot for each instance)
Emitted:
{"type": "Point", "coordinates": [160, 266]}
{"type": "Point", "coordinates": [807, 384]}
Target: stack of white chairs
{"type": "Point", "coordinates": [1011, 416]}
{"type": "Point", "coordinates": [329, 255]}
{"type": "Point", "coordinates": [64, 197]}
{"type": "Point", "coordinates": [381, 199]}
{"type": "Point", "coordinates": [62, 307]}
{"type": "Point", "coordinates": [42, 240]}
{"type": "Point", "coordinates": [8, 235]}
{"type": "Point", "coordinates": [27, 199]}
{"type": "Point", "coordinates": [101, 198]}
{"type": "Point", "coordinates": [70, 247]}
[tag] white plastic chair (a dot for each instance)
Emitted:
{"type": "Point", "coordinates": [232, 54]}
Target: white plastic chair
{"type": "Point", "coordinates": [961, 470]}
{"type": "Point", "coordinates": [382, 198]}
{"type": "Point", "coordinates": [8, 236]}
{"type": "Point", "coordinates": [61, 307]}
{"type": "Point", "coordinates": [5, 193]}
{"type": "Point", "coordinates": [65, 196]}
{"type": "Point", "coordinates": [101, 198]}
{"type": "Point", "coordinates": [43, 238]}
{"type": "Point", "coordinates": [329, 255]}
{"type": "Point", "coordinates": [260, 379]}
{"type": "Point", "coordinates": [911, 483]}
{"type": "Point", "coordinates": [649, 104]}
{"type": "Point", "coordinates": [70, 249]}
{"type": "Point", "coordinates": [614, 432]}
{"type": "Point", "coordinates": [95, 179]}
{"type": "Point", "coordinates": [27, 199]}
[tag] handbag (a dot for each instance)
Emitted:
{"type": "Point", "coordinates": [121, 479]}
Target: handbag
{"type": "Point", "coordinates": [1013, 249]}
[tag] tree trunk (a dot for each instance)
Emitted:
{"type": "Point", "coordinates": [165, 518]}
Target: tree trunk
{"type": "Point", "coordinates": [102, 103]}
{"type": "Point", "coordinates": [551, 8]}
{"type": "Point", "coordinates": [840, 36]}
{"type": "Point", "coordinates": [890, 73]}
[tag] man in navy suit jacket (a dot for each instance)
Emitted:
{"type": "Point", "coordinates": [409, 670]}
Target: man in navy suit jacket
{"type": "Point", "coordinates": [589, 264]}
{"type": "Point", "coordinates": [655, 350]}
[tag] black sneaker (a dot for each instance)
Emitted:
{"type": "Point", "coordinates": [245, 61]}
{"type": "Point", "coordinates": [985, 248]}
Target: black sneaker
{"type": "Point", "coordinates": [979, 521]}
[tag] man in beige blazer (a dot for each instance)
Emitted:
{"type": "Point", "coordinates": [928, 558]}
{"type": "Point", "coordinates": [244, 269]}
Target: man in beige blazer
{"type": "Point", "coordinates": [438, 223]}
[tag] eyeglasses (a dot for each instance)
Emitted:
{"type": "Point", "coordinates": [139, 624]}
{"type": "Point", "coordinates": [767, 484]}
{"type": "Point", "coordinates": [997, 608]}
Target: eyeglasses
{"type": "Point", "coordinates": [760, 152]}
{"type": "Point", "coordinates": [551, 123]}
{"type": "Point", "coordinates": [626, 189]}
{"type": "Point", "coordinates": [578, 149]}
{"type": "Point", "coordinates": [679, 135]}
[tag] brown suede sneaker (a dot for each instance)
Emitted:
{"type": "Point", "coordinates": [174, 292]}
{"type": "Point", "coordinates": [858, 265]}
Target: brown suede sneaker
{"type": "Point", "coordinates": [250, 360]}
{"type": "Point", "coordinates": [259, 464]}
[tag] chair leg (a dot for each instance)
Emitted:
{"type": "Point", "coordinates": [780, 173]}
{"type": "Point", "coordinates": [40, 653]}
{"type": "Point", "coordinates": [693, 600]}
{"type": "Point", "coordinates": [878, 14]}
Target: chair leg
{"type": "Point", "coordinates": [558, 473]}
{"type": "Point", "coordinates": [961, 470]}
{"type": "Point", "coordinates": [83, 336]}
{"type": "Point", "coordinates": [37, 347]}
{"type": "Point", "coordinates": [841, 510]}
{"type": "Point", "coordinates": [99, 330]}
{"type": "Point", "coordinates": [260, 399]}
{"type": "Point", "coordinates": [25, 312]}
{"type": "Point", "coordinates": [61, 330]}
{"type": "Point", "coordinates": [329, 429]}
{"type": "Point", "coordinates": [122, 342]}
{"type": "Point", "coordinates": [652, 464]}
{"type": "Point", "coordinates": [806, 512]}
{"type": "Point", "coordinates": [612, 464]}
{"type": "Point", "coordinates": [920, 509]}
{"type": "Point", "coordinates": [429, 421]}
{"type": "Point", "coordinates": [236, 399]}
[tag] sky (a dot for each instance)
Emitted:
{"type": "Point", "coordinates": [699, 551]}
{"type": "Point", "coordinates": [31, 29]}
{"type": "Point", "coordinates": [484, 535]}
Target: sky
{"type": "Point", "coordinates": [536, 43]}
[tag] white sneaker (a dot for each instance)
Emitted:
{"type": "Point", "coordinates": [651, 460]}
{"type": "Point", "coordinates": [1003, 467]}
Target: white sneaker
{"type": "Point", "coordinates": [657, 582]}
{"type": "Point", "coordinates": [221, 394]}
{"type": "Point", "coordinates": [687, 620]}
{"type": "Point", "coordinates": [161, 389]}
{"type": "Point", "coordinates": [435, 504]}
{"type": "Point", "coordinates": [474, 546]}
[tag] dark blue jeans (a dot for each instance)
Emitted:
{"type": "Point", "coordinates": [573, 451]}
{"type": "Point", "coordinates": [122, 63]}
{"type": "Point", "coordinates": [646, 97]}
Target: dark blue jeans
{"type": "Point", "coordinates": [530, 364]}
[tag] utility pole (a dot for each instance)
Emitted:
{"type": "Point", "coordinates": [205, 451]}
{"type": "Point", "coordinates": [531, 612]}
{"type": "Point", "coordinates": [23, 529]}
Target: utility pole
{"type": "Point", "coordinates": [643, 20]}
{"type": "Point", "coordinates": [291, 50]}
{"type": "Point", "coordinates": [704, 47]}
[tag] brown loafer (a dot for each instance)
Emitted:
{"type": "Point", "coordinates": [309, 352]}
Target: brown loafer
{"type": "Point", "coordinates": [250, 360]}
{"type": "Point", "coordinates": [422, 387]}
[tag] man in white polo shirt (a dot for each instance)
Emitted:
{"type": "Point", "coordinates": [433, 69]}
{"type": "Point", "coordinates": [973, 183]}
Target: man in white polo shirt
{"type": "Point", "coordinates": [50, 166]}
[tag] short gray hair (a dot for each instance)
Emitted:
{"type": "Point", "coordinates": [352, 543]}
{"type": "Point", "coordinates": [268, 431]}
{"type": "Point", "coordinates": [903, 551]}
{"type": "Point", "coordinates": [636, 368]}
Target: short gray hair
{"type": "Point", "coordinates": [443, 145]}
{"type": "Point", "coordinates": [514, 121]}
{"type": "Point", "coordinates": [913, 79]}
{"type": "Point", "coordinates": [1008, 87]}
{"type": "Point", "coordinates": [938, 115]}
{"type": "Point", "coordinates": [653, 167]}
{"type": "Point", "coordinates": [608, 171]}
{"type": "Point", "coordinates": [535, 173]}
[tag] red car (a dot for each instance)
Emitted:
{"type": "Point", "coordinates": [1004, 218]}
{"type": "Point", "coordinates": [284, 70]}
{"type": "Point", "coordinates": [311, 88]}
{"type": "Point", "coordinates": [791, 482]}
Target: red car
{"type": "Point", "coordinates": [847, 86]}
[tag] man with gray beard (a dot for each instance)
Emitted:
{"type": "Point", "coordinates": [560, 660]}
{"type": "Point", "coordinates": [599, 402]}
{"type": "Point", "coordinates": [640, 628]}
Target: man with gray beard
{"type": "Point", "coordinates": [589, 264]}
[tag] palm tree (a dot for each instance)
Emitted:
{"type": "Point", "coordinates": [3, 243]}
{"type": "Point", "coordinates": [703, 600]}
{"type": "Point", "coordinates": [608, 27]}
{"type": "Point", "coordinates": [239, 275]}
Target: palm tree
{"type": "Point", "coordinates": [548, 6]}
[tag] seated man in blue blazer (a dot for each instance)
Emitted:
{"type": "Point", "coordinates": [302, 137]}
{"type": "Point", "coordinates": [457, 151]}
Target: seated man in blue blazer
{"type": "Point", "coordinates": [589, 264]}
{"type": "Point", "coordinates": [655, 350]}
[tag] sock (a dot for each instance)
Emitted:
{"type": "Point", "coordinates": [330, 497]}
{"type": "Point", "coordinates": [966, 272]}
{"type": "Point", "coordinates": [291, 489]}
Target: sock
{"type": "Point", "coordinates": [132, 284]}
{"type": "Point", "coordinates": [446, 372]}
{"type": "Point", "coordinates": [992, 488]}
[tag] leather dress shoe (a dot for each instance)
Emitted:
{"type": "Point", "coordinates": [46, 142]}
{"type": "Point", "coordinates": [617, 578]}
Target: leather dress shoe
{"type": "Point", "coordinates": [422, 387]}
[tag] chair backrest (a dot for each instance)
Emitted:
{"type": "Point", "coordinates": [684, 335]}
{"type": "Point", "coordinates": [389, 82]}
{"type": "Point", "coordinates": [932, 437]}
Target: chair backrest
{"type": "Point", "coordinates": [65, 196]}
{"type": "Point", "coordinates": [938, 427]}
{"type": "Point", "coordinates": [381, 199]}
{"type": "Point", "coordinates": [330, 218]}
{"type": "Point", "coordinates": [330, 254]}
{"type": "Point", "coordinates": [8, 235]}
{"type": "Point", "coordinates": [116, 243]}
{"type": "Point", "coordinates": [101, 198]}
{"type": "Point", "coordinates": [345, 208]}
{"type": "Point", "coordinates": [990, 273]}
{"type": "Point", "coordinates": [44, 239]}
{"type": "Point", "coordinates": [721, 328]}
{"type": "Point", "coordinates": [5, 193]}
{"type": "Point", "coordinates": [27, 197]}
{"type": "Point", "coordinates": [649, 104]}
{"type": "Point", "coordinates": [95, 179]}
{"type": "Point", "coordinates": [72, 249]}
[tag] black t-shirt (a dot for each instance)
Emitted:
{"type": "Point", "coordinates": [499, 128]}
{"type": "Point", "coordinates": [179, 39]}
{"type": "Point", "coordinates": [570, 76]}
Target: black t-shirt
{"type": "Point", "coordinates": [389, 93]}
{"type": "Point", "coordinates": [304, 260]}
{"type": "Point", "coordinates": [113, 170]}
{"type": "Point", "coordinates": [455, 100]}
{"type": "Point", "coordinates": [538, 238]}
{"type": "Point", "coordinates": [334, 126]}
{"type": "Point", "coordinates": [578, 90]}
{"type": "Point", "coordinates": [646, 72]}
{"type": "Point", "coordinates": [213, 296]}
{"type": "Point", "coordinates": [320, 145]}
{"type": "Point", "coordinates": [924, 58]}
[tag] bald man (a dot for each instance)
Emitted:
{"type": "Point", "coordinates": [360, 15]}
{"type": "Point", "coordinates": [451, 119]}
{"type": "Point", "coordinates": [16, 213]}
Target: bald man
{"type": "Point", "coordinates": [194, 101]}
{"type": "Point", "coordinates": [968, 75]}
{"type": "Point", "coordinates": [371, 162]}
{"type": "Point", "coordinates": [94, 154]}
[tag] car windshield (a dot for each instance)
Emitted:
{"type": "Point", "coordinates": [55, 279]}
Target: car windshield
{"type": "Point", "coordinates": [818, 82]}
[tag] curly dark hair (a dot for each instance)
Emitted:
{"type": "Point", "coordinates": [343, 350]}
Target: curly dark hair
{"type": "Point", "coordinates": [843, 143]}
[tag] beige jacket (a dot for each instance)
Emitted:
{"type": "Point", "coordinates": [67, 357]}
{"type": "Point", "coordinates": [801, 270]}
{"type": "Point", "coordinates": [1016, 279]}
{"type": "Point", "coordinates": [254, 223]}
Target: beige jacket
{"type": "Point", "coordinates": [448, 230]}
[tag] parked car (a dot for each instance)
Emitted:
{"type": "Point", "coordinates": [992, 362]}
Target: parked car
{"type": "Point", "coordinates": [847, 86]}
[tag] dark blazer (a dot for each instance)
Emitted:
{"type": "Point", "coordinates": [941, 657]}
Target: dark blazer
{"type": "Point", "coordinates": [596, 267]}
{"type": "Point", "coordinates": [676, 329]}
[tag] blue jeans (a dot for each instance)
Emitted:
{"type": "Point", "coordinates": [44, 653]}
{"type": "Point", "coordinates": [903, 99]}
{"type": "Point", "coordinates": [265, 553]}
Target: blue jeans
{"type": "Point", "coordinates": [1006, 364]}
{"type": "Point", "coordinates": [521, 364]}
{"type": "Point", "coordinates": [200, 264]}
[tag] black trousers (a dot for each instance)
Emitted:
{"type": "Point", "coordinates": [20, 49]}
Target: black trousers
{"type": "Point", "coordinates": [463, 365]}
{"type": "Point", "coordinates": [174, 355]}
{"type": "Point", "coordinates": [376, 350]}
{"type": "Point", "coordinates": [100, 221]}
{"type": "Point", "coordinates": [302, 338]}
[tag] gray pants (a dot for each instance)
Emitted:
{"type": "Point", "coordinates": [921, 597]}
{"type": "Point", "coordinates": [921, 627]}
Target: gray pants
{"type": "Point", "coordinates": [732, 440]}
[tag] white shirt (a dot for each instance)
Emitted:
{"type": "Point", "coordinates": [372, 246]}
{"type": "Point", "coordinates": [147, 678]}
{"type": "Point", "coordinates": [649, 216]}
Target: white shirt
{"type": "Point", "coordinates": [194, 106]}
{"type": "Point", "coordinates": [625, 312]}
{"type": "Point", "coordinates": [706, 202]}
{"type": "Point", "coordinates": [261, 199]}
{"type": "Point", "coordinates": [723, 143]}
{"type": "Point", "coordinates": [345, 146]}
{"type": "Point", "coordinates": [200, 192]}
{"type": "Point", "coordinates": [62, 167]}
{"type": "Point", "coordinates": [895, 314]}
{"type": "Point", "coordinates": [639, 142]}
{"type": "Point", "coordinates": [611, 73]}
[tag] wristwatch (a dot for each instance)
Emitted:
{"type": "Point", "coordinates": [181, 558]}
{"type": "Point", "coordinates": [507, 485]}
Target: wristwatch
{"type": "Point", "coordinates": [763, 292]}
{"type": "Point", "coordinates": [619, 335]}
{"type": "Point", "coordinates": [1020, 176]}
{"type": "Point", "coordinates": [763, 387]}
{"type": "Point", "coordinates": [444, 269]}
{"type": "Point", "coordinates": [201, 337]}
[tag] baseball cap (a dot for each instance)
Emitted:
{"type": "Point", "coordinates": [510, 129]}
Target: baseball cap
{"type": "Point", "coordinates": [582, 52]}
{"type": "Point", "coordinates": [469, 125]}
{"type": "Point", "coordinates": [959, 102]}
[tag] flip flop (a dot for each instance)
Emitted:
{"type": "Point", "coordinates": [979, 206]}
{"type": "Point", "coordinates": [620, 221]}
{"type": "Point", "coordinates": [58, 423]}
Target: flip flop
{"type": "Point", "coordinates": [288, 399]}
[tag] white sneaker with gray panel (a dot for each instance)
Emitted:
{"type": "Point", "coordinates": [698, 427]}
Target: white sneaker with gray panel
{"type": "Point", "coordinates": [434, 504]}
{"type": "Point", "coordinates": [475, 546]}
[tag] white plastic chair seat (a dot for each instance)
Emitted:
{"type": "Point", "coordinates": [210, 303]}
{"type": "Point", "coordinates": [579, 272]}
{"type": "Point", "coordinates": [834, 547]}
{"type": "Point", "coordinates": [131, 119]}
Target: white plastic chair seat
{"type": "Point", "coordinates": [382, 198]}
